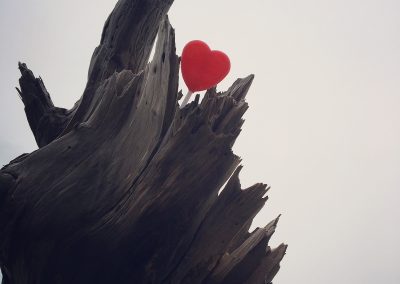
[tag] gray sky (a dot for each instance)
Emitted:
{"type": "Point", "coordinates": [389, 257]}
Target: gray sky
{"type": "Point", "coordinates": [323, 123]}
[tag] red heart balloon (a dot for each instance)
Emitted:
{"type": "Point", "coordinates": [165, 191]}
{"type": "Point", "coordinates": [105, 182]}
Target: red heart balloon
{"type": "Point", "coordinates": [203, 68]}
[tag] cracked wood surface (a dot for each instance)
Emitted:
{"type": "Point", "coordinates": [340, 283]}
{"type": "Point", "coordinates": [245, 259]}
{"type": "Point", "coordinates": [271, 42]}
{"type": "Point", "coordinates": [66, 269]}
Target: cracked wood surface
{"type": "Point", "coordinates": [124, 187]}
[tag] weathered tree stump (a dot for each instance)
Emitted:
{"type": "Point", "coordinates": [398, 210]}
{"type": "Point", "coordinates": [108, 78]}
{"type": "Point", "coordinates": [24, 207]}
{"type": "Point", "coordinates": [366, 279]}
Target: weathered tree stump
{"type": "Point", "coordinates": [124, 186]}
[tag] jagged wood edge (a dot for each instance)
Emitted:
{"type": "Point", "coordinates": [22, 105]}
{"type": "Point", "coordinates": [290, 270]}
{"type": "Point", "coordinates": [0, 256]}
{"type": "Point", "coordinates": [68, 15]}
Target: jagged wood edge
{"type": "Point", "coordinates": [212, 113]}
{"type": "Point", "coordinates": [126, 42]}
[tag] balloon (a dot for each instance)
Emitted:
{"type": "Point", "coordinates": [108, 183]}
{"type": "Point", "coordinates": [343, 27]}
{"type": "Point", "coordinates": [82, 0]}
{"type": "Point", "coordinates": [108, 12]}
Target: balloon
{"type": "Point", "coordinates": [203, 68]}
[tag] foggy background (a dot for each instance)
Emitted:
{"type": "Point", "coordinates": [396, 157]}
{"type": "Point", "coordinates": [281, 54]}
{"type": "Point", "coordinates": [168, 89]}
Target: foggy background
{"type": "Point", "coordinates": [323, 123]}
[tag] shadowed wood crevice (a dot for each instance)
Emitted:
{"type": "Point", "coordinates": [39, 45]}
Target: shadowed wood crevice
{"type": "Point", "coordinates": [129, 191]}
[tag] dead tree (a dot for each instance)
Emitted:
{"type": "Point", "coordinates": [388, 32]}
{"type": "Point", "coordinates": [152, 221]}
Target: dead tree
{"type": "Point", "coordinates": [124, 186]}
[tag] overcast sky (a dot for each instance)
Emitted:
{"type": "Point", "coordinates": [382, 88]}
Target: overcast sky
{"type": "Point", "coordinates": [322, 128]}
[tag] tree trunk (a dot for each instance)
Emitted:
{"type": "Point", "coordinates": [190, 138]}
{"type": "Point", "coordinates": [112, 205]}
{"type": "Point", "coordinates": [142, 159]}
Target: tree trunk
{"type": "Point", "coordinates": [124, 186]}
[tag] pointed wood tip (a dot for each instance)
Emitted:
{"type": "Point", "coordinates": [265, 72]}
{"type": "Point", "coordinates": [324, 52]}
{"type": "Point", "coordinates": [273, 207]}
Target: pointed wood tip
{"type": "Point", "coordinates": [240, 88]}
{"type": "Point", "coordinates": [24, 70]}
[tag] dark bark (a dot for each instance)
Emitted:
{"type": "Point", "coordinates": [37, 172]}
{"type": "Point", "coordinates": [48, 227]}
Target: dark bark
{"type": "Point", "coordinates": [46, 120]}
{"type": "Point", "coordinates": [128, 192]}
{"type": "Point", "coordinates": [126, 42]}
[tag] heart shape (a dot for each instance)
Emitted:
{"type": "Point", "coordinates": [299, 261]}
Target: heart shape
{"type": "Point", "coordinates": [203, 68]}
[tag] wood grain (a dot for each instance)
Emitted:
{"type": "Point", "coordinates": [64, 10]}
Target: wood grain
{"type": "Point", "coordinates": [124, 187]}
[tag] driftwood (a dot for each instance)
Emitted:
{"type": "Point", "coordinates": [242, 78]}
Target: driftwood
{"type": "Point", "coordinates": [124, 186]}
